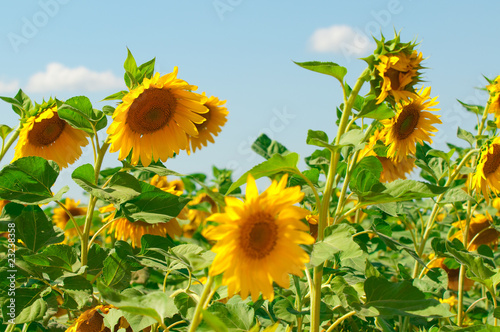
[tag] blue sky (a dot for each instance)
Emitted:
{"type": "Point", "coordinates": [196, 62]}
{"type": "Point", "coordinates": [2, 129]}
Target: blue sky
{"type": "Point", "coordinates": [242, 51]}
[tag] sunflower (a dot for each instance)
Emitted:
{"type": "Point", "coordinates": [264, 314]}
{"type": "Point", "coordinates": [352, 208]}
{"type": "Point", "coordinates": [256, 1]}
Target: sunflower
{"type": "Point", "coordinates": [453, 274]}
{"type": "Point", "coordinates": [480, 231]}
{"type": "Point", "coordinates": [494, 100]}
{"type": "Point", "coordinates": [215, 118]}
{"type": "Point", "coordinates": [410, 125]}
{"type": "Point", "coordinates": [258, 240]}
{"type": "Point", "coordinates": [399, 73]}
{"type": "Point", "coordinates": [155, 118]}
{"type": "Point", "coordinates": [196, 216]}
{"type": "Point", "coordinates": [92, 320]}
{"type": "Point", "coordinates": [61, 218]}
{"type": "Point", "coordinates": [391, 170]}
{"type": "Point", "coordinates": [48, 136]}
{"type": "Point", "coordinates": [487, 175]}
{"type": "Point", "coordinates": [175, 187]}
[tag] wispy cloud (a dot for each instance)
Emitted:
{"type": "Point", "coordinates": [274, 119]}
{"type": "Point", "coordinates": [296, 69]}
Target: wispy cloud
{"type": "Point", "coordinates": [341, 39]}
{"type": "Point", "coordinates": [9, 87]}
{"type": "Point", "coordinates": [58, 77]}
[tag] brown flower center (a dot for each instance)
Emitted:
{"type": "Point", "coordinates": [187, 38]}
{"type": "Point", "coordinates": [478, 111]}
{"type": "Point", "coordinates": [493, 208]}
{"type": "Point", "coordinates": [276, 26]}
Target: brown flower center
{"type": "Point", "coordinates": [486, 236]}
{"type": "Point", "coordinates": [492, 161]}
{"type": "Point", "coordinates": [46, 131]}
{"type": "Point", "coordinates": [151, 111]}
{"type": "Point", "coordinates": [259, 235]}
{"type": "Point", "coordinates": [393, 76]}
{"type": "Point", "coordinates": [407, 121]}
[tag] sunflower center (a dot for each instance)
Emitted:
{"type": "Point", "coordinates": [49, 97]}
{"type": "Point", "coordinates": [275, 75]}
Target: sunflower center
{"type": "Point", "coordinates": [487, 235]}
{"type": "Point", "coordinates": [259, 236]}
{"type": "Point", "coordinates": [492, 161]}
{"type": "Point", "coordinates": [151, 111]}
{"type": "Point", "coordinates": [393, 76]}
{"type": "Point", "coordinates": [407, 121]}
{"type": "Point", "coordinates": [46, 131]}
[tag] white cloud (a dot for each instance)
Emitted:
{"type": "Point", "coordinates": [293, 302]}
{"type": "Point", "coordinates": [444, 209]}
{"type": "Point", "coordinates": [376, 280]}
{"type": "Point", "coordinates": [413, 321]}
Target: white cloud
{"type": "Point", "coordinates": [9, 87]}
{"type": "Point", "coordinates": [58, 77]}
{"type": "Point", "coordinates": [341, 39]}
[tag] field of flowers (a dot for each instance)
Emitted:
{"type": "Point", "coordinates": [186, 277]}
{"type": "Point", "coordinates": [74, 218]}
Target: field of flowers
{"type": "Point", "coordinates": [348, 244]}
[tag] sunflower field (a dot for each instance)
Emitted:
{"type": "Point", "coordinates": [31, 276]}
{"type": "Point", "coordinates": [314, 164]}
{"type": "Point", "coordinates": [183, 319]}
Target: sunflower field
{"type": "Point", "coordinates": [347, 244]}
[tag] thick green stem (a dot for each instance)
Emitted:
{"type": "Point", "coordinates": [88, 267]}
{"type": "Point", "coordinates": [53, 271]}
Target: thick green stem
{"type": "Point", "coordinates": [340, 320]}
{"type": "Point", "coordinates": [10, 328]}
{"type": "Point", "coordinates": [199, 307]}
{"type": "Point", "coordinates": [9, 143]}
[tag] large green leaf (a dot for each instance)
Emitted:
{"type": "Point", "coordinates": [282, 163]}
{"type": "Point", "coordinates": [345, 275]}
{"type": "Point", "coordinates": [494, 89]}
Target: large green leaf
{"type": "Point", "coordinates": [236, 317]}
{"type": "Point", "coordinates": [365, 176]}
{"type": "Point", "coordinates": [55, 255]}
{"type": "Point", "coordinates": [384, 298]}
{"type": "Point", "coordinates": [77, 292]}
{"type": "Point", "coordinates": [28, 306]}
{"type": "Point", "coordinates": [116, 272]}
{"type": "Point", "coordinates": [276, 164]}
{"type": "Point", "coordinates": [327, 68]}
{"type": "Point", "coordinates": [78, 112]}
{"type": "Point", "coordinates": [33, 227]}
{"type": "Point", "coordinates": [338, 239]}
{"type": "Point", "coordinates": [29, 180]}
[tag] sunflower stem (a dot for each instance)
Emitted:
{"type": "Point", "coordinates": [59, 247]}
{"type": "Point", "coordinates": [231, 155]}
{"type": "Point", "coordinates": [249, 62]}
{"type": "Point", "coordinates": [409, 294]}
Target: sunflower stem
{"type": "Point", "coordinates": [12, 139]}
{"type": "Point", "coordinates": [340, 320]}
{"type": "Point", "coordinates": [80, 234]}
{"type": "Point", "coordinates": [199, 307]}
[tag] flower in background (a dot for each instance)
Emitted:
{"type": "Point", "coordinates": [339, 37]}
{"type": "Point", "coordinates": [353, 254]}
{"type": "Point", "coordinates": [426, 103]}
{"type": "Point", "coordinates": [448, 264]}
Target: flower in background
{"type": "Point", "coordinates": [48, 136]}
{"type": "Point", "coordinates": [61, 217]}
{"type": "Point", "coordinates": [412, 124]}
{"type": "Point", "coordinates": [487, 175]}
{"type": "Point", "coordinates": [480, 232]}
{"type": "Point", "coordinates": [154, 119]}
{"type": "Point", "coordinates": [197, 214]}
{"type": "Point", "coordinates": [453, 274]}
{"type": "Point", "coordinates": [215, 118]}
{"type": "Point", "coordinates": [258, 240]}
{"type": "Point", "coordinates": [494, 100]}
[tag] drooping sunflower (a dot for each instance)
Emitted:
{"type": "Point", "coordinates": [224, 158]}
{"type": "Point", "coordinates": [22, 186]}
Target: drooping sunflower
{"type": "Point", "coordinates": [48, 136]}
{"type": "Point", "coordinates": [125, 229]}
{"type": "Point", "coordinates": [215, 119]}
{"type": "Point", "coordinates": [412, 124]}
{"type": "Point", "coordinates": [258, 240]}
{"type": "Point", "coordinates": [453, 274]}
{"type": "Point", "coordinates": [155, 118]}
{"type": "Point", "coordinates": [61, 218]}
{"type": "Point", "coordinates": [480, 231]}
{"type": "Point", "coordinates": [399, 73]}
{"type": "Point", "coordinates": [486, 178]}
{"type": "Point", "coordinates": [494, 100]}
{"type": "Point", "coordinates": [391, 170]}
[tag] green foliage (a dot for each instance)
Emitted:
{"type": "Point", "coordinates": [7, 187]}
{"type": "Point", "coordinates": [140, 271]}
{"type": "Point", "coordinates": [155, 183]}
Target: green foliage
{"type": "Point", "coordinates": [327, 68]}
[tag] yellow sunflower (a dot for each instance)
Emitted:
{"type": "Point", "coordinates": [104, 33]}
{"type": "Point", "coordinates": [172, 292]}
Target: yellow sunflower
{"type": "Point", "coordinates": [453, 274]}
{"type": "Point", "coordinates": [258, 240]}
{"type": "Point", "coordinates": [155, 118]}
{"type": "Point", "coordinates": [487, 175]}
{"type": "Point", "coordinates": [410, 125]}
{"type": "Point", "coordinates": [391, 170]}
{"type": "Point", "coordinates": [215, 119]}
{"type": "Point", "coordinates": [480, 231]}
{"type": "Point", "coordinates": [61, 218]}
{"type": "Point", "coordinates": [175, 187]}
{"type": "Point", "coordinates": [48, 136]}
{"type": "Point", "coordinates": [399, 72]}
{"type": "Point", "coordinates": [494, 100]}
{"type": "Point", "coordinates": [92, 320]}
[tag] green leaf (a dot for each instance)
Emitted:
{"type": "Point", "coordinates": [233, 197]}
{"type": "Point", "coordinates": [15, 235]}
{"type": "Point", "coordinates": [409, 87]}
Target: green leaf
{"type": "Point", "coordinates": [56, 255]}
{"type": "Point", "coordinates": [456, 195]}
{"type": "Point", "coordinates": [147, 68]}
{"type": "Point", "coordinates": [353, 137]}
{"type": "Point", "coordinates": [319, 138]}
{"type": "Point", "coordinates": [130, 65]}
{"type": "Point", "coordinates": [121, 188]}
{"type": "Point", "coordinates": [157, 304]}
{"type": "Point", "coordinates": [276, 164]}
{"type": "Point", "coordinates": [213, 322]}
{"type": "Point", "coordinates": [116, 96]}
{"type": "Point", "coordinates": [136, 322]}
{"type": "Point", "coordinates": [384, 298]}
{"type": "Point", "coordinates": [327, 68]}
{"type": "Point", "coordinates": [28, 180]}
{"type": "Point", "coordinates": [283, 310]}
{"type": "Point", "coordinates": [266, 147]}
{"type": "Point", "coordinates": [153, 206]}
{"type": "Point", "coordinates": [96, 257]}
{"type": "Point", "coordinates": [467, 136]}
{"type": "Point", "coordinates": [477, 109]}
{"type": "Point", "coordinates": [116, 272]}
{"type": "Point", "coordinates": [371, 110]}
{"type": "Point", "coordinates": [33, 227]}
{"type": "Point", "coordinates": [441, 154]}
{"type": "Point", "coordinates": [238, 316]}
{"type": "Point", "coordinates": [4, 131]}
{"type": "Point", "coordinates": [338, 239]}
{"type": "Point", "coordinates": [77, 292]}
{"type": "Point", "coordinates": [21, 103]}
{"type": "Point", "coordinates": [186, 305]}
{"type": "Point", "coordinates": [29, 305]}
{"type": "Point", "coordinates": [365, 176]}
{"type": "Point", "coordinates": [78, 112]}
